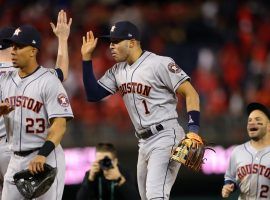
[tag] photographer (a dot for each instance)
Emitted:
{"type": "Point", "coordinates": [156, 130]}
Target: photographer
{"type": "Point", "coordinates": [107, 180]}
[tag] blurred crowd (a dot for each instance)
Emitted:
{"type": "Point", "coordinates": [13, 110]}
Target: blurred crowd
{"type": "Point", "coordinates": [223, 45]}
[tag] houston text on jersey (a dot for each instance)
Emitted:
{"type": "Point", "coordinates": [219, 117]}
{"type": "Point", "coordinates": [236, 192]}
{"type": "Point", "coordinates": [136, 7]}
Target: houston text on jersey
{"type": "Point", "coordinates": [133, 87]}
{"type": "Point", "coordinates": [253, 169]}
{"type": "Point", "coordinates": [25, 102]}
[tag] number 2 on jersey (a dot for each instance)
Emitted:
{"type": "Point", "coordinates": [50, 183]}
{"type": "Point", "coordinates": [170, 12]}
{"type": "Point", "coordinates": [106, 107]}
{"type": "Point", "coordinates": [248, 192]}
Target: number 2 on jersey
{"type": "Point", "coordinates": [264, 191]}
{"type": "Point", "coordinates": [39, 123]}
{"type": "Point", "coordinates": [145, 107]}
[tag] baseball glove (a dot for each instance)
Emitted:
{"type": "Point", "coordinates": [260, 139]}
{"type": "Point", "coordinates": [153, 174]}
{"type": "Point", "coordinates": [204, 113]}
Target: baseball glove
{"type": "Point", "coordinates": [33, 186]}
{"type": "Point", "coordinates": [190, 152]}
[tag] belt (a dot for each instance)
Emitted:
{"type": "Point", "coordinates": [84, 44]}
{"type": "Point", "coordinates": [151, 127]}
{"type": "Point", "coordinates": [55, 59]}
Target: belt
{"type": "Point", "coordinates": [148, 133]}
{"type": "Point", "coordinates": [25, 153]}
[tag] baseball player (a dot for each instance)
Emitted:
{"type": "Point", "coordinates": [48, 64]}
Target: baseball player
{"type": "Point", "coordinates": [35, 108]}
{"type": "Point", "coordinates": [61, 30]}
{"type": "Point", "coordinates": [5, 66]}
{"type": "Point", "coordinates": [249, 167]}
{"type": "Point", "coordinates": [148, 84]}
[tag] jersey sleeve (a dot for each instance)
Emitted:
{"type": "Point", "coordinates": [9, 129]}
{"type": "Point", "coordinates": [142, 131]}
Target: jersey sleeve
{"type": "Point", "coordinates": [58, 73]}
{"type": "Point", "coordinates": [1, 86]}
{"type": "Point", "coordinates": [108, 80]}
{"type": "Point", "coordinates": [56, 100]}
{"type": "Point", "coordinates": [230, 174]}
{"type": "Point", "coordinates": [170, 73]}
{"type": "Point", "coordinates": [3, 76]}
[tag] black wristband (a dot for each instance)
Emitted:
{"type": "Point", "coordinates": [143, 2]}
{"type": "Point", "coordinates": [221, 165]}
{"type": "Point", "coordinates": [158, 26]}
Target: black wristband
{"type": "Point", "coordinates": [47, 148]}
{"type": "Point", "coordinates": [194, 121]}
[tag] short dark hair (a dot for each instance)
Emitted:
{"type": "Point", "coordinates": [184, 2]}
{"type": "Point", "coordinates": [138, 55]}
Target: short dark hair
{"type": "Point", "coordinates": [258, 106]}
{"type": "Point", "coordinates": [106, 147]}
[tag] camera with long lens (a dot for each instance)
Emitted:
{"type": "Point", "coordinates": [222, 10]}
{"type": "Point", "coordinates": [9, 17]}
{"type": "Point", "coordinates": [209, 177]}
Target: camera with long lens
{"type": "Point", "coordinates": [106, 163]}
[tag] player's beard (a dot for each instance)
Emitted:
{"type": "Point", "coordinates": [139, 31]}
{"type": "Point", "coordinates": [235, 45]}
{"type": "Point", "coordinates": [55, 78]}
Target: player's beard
{"type": "Point", "coordinates": [261, 132]}
{"type": "Point", "coordinates": [255, 138]}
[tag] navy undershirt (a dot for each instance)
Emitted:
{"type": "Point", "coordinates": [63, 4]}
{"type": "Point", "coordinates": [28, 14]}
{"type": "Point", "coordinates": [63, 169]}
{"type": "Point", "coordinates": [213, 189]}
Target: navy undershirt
{"type": "Point", "coordinates": [94, 91]}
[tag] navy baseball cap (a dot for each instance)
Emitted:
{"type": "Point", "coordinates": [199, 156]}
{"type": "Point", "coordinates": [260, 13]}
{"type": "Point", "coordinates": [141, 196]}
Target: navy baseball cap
{"type": "Point", "coordinates": [26, 35]}
{"type": "Point", "coordinates": [5, 33]}
{"type": "Point", "coordinates": [123, 30]}
{"type": "Point", "coordinates": [258, 106]}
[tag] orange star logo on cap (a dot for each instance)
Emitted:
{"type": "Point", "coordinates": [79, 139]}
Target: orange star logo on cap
{"type": "Point", "coordinates": [112, 29]}
{"type": "Point", "coordinates": [17, 31]}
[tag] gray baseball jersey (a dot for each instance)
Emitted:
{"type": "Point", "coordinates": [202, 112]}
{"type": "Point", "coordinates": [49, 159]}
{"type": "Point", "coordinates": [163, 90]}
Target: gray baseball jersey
{"type": "Point", "coordinates": [5, 67]}
{"type": "Point", "coordinates": [250, 170]}
{"type": "Point", "coordinates": [5, 153]}
{"type": "Point", "coordinates": [36, 98]}
{"type": "Point", "coordinates": [148, 89]}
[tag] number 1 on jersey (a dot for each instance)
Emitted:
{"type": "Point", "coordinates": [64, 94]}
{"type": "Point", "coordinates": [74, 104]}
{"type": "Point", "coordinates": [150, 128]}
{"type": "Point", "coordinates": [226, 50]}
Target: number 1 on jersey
{"type": "Point", "coordinates": [145, 107]}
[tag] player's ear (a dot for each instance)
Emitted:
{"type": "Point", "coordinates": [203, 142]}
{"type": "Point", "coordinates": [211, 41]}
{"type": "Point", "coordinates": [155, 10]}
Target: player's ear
{"type": "Point", "coordinates": [34, 51]}
{"type": "Point", "coordinates": [131, 43]}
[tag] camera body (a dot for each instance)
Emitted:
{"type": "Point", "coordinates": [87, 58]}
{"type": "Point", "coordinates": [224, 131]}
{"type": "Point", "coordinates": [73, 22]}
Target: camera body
{"type": "Point", "coordinates": [105, 163]}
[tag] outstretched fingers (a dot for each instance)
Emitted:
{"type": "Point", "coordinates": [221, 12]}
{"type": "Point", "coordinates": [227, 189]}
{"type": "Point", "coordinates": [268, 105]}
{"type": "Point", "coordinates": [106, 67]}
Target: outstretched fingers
{"type": "Point", "coordinates": [83, 39]}
{"type": "Point", "coordinates": [53, 26]}
{"type": "Point", "coordinates": [89, 44]}
{"type": "Point", "coordinates": [89, 37]}
{"type": "Point", "coordinates": [70, 22]}
{"type": "Point", "coordinates": [64, 17]}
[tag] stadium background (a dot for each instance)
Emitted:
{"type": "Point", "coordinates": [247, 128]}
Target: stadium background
{"type": "Point", "coordinates": [223, 45]}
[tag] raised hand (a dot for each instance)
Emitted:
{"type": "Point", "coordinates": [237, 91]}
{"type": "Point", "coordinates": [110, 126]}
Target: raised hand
{"type": "Point", "coordinates": [88, 46]}
{"type": "Point", "coordinates": [62, 28]}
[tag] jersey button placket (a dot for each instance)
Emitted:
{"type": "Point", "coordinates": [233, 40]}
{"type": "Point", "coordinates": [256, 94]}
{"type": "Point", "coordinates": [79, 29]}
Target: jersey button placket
{"type": "Point", "coordinates": [131, 99]}
{"type": "Point", "coordinates": [17, 113]}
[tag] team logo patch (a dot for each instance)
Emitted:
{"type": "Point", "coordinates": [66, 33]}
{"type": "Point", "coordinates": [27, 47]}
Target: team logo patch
{"type": "Point", "coordinates": [63, 100]}
{"type": "Point", "coordinates": [174, 68]}
{"type": "Point", "coordinates": [52, 71]}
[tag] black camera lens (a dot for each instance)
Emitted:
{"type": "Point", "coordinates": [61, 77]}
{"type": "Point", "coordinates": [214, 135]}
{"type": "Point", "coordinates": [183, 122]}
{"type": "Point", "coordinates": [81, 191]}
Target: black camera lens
{"type": "Point", "coordinates": [106, 163]}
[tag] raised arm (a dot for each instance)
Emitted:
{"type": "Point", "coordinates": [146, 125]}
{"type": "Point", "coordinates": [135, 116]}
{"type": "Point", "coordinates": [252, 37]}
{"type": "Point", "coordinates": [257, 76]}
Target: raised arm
{"type": "Point", "coordinates": [94, 91]}
{"type": "Point", "coordinates": [88, 46]}
{"type": "Point", "coordinates": [62, 31]}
